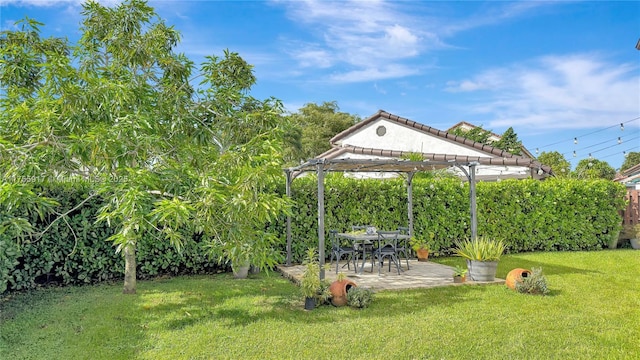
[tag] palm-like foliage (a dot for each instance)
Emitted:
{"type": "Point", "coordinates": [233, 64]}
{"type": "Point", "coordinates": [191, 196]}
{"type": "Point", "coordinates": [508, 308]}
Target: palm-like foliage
{"type": "Point", "coordinates": [480, 249]}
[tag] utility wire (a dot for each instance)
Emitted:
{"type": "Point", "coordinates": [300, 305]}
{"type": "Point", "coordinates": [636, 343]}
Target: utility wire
{"type": "Point", "coordinates": [604, 142]}
{"type": "Point", "coordinates": [591, 133]}
{"type": "Point", "coordinates": [625, 151]}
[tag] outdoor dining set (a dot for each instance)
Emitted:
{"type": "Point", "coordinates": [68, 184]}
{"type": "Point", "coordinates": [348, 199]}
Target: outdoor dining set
{"type": "Point", "coordinates": [365, 242]}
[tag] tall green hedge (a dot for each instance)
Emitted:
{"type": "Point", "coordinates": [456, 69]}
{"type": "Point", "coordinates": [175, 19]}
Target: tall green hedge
{"type": "Point", "coordinates": [528, 215]}
{"type": "Point", "coordinates": [73, 250]}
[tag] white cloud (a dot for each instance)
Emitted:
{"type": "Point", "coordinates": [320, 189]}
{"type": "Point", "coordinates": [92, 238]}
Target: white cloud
{"type": "Point", "coordinates": [371, 40]}
{"type": "Point", "coordinates": [363, 40]}
{"type": "Point", "coordinates": [313, 56]}
{"type": "Point", "coordinates": [572, 91]}
{"type": "Point", "coordinates": [391, 71]}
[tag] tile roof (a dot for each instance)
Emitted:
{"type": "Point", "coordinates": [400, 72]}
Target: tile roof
{"type": "Point", "coordinates": [431, 160]}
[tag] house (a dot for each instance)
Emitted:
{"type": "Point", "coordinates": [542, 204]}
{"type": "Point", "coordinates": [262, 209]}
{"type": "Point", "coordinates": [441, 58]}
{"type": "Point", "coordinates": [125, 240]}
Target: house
{"type": "Point", "coordinates": [385, 136]}
{"type": "Point", "coordinates": [630, 177]}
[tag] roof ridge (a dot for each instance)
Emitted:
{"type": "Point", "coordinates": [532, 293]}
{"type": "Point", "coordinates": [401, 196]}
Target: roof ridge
{"type": "Point", "coordinates": [424, 128]}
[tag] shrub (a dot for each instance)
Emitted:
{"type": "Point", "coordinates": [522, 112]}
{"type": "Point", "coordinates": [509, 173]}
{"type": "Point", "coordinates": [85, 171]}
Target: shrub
{"type": "Point", "coordinates": [359, 297]}
{"type": "Point", "coordinates": [535, 283]}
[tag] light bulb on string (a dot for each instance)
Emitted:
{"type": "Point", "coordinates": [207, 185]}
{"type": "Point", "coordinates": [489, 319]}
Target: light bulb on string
{"type": "Point", "coordinates": [575, 140]}
{"type": "Point", "coordinates": [619, 140]}
{"type": "Point", "coordinates": [574, 153]}
{"type": "Point", "coordinates": [621, 127]}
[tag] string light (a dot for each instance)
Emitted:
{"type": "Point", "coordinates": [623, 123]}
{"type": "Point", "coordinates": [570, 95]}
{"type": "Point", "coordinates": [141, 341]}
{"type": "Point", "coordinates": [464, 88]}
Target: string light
{"type": "Point", "coordinates": [621, 126]}
{"type": "Point", "coordinates": [619, 140]}
{"type": "Point", "coordinates": [575, 140]}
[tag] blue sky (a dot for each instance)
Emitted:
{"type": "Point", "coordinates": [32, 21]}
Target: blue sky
{"type": "Point", "coordinates": [552, 70]}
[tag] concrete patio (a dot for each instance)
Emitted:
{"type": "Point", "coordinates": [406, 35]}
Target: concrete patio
{"type": "Point", "coordinates": [425, 274]}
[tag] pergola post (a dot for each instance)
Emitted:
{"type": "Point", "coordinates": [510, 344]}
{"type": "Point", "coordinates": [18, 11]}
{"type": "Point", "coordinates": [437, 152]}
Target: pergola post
{"type": "Point", "coordinates": [410, 201]}
{"type": "Point", "coordinates": [472, 200]}
{"type": "Point", "coordinates": [471, 176]}
{"type": "Point", "coordinates": [288, 192]}
{"type": "Point", "coordinates": [320, 170]}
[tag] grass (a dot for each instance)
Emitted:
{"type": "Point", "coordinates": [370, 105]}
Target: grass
{"type": "Point", "coordinates": [593, 312]}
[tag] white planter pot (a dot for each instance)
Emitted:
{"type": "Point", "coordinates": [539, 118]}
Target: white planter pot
{"type": "Point", "coordinates": [240, 272]}
{"type": "Point", "coordinates": [635, 243]}
{"type": "Point", "coordinates": [482, 270]}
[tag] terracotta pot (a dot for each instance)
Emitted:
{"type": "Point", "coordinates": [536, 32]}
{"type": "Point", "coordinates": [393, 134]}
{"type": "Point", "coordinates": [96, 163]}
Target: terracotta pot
{"type": "Point", "coordinates": [339, 290]}
{"type": "Point", "coordinates": [516, 275]}
{"type": "Point", "coordinates": [459, 279]}
{"type": "Point", "coordinates": [423, 254]}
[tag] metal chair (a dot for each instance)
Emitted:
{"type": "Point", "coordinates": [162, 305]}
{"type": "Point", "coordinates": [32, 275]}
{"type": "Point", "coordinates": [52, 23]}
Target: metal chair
{"type": "Point", "coordinates": [368, 248]}
{"type": "Point", "coordinates": [387, 248]}
{"type": "Point", "coordinates": [403, 244]}
{"type": "Point", "coordinates": [338, 251]}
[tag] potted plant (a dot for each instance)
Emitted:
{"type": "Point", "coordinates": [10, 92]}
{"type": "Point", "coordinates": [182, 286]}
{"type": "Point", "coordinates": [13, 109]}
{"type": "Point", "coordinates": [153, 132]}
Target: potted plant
{"type": "Point", "coordinates": [631, 232]}
{"type": "Point", "coordinates": [420, 246]}
{"type": "Point", "coordinates": [459, 274]}
{"type": "Point", "coordinates": [243, 250]}
{"type": "Point", "coordinates": [310, 283]}
{"type": "Point", "coordinates": [482, 256]}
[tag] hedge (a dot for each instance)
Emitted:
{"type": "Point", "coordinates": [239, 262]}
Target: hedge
{"type": "Point", "coordinates": [530, 215]}
{"type": "Point", "coordinates": [82, 256]}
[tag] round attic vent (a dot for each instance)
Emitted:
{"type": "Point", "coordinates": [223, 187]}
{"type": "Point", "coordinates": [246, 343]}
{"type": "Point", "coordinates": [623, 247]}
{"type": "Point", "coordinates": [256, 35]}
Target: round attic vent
{"type": "Point", "coordinates": [381, 130]}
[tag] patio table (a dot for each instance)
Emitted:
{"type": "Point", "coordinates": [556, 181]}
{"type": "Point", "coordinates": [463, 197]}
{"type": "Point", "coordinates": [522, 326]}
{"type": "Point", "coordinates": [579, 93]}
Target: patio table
{"type": "Point", "coordinates": [360, 240]}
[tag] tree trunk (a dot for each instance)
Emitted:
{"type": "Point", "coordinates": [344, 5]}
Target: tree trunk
{"type": "Point", "coordinates": [129, 269]}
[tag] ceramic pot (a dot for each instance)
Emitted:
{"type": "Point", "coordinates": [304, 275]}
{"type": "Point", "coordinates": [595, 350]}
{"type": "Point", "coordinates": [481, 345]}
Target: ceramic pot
{"type": "Point", "coordinates": [339, 290]}
{"type": "Point", "coordinates": [422, 254]}
{"type": "Point", "coordinates": [515, 276]}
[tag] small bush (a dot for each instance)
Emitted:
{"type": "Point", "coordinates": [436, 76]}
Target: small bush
{"type": "Point", "coordinates": [535, 283]}
{"type": "Point", "coordinates": [359, 297]}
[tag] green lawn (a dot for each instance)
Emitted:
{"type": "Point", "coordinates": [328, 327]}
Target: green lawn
{"type": "Point", "coordinates": [593, 312]}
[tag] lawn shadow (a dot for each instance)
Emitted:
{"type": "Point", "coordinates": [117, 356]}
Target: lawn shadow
{"type": "Point", "coordinates": [510, 262]}
{"type": "Point", "coordinates": [233, 302]}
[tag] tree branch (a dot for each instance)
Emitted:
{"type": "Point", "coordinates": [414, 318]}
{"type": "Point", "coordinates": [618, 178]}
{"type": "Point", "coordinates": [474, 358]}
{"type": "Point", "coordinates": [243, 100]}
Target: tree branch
{"type": "Point", "coordinates": [40, 234]}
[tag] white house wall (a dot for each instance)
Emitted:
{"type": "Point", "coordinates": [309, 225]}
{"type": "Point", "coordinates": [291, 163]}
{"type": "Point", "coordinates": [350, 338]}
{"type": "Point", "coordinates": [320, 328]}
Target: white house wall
{"type": "Point", "coordinates": [403, 138]}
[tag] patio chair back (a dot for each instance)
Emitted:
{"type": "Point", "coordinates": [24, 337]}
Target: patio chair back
{"type": "Point", "coordinates": [387, 248]}
{"type": "Point", "coordinates": [338, 250]}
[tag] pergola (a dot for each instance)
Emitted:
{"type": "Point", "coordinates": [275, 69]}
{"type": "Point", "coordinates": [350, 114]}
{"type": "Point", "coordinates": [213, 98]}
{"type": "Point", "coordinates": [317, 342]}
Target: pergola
{"type": "Point", "coordinates": [321, 166]}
